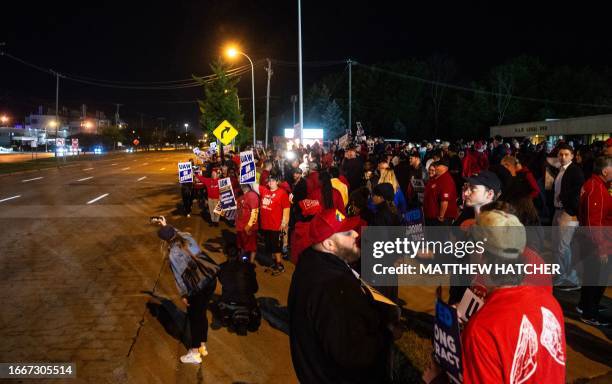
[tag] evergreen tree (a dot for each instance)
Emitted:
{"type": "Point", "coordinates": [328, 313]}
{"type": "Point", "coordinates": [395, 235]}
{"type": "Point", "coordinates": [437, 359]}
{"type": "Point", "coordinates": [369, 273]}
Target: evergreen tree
{"type": "Point", "coordinates": [220, 103]}
{"type": "Point", "coordinates": [332, 120]}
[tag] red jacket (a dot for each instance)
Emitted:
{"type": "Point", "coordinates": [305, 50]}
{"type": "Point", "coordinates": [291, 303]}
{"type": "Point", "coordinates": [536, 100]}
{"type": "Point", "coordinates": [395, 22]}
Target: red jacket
{"type": "Point", "coordinates": [595, 210]}
{"type": "Point", "coordinates": [474, 162]}
{"type": "Point", "coordinates": [535, 188]}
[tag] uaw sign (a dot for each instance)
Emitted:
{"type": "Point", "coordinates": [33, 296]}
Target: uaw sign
{"type": "Point", "coordinates": [185, 173]}
{"type": "Point", "coordinates": [226, 195]}
{"type": "Point", "coordinates": [247, 167]}
{"type": "Point", "coordinates": [447, 341]}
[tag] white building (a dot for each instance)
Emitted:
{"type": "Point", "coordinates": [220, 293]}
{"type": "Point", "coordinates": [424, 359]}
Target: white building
{"type": "Point", "coordinates": [587, 129]}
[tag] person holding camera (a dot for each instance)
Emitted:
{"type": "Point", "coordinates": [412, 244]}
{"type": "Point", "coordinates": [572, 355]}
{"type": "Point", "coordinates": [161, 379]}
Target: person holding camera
{"type": "Point", "coordinates": [195, 274]}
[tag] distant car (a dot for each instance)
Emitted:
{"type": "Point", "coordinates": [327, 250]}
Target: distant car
{"type": "Point", "coordinates": [5, 150]}
{"type": "Point", "coordinates": [98, 150]}
{"type": "Point", "coordinates": [129, 150]}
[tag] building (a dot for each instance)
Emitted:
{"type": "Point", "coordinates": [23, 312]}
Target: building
{"type": "Point", "coordinates": [586, 129]}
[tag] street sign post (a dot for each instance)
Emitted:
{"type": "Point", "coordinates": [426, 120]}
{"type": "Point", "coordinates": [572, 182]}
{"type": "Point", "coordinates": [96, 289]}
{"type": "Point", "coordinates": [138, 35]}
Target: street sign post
{"type": "Point", "coordinates": [75, 145]}
{"type": "Point", "coordinates": [225, 132]}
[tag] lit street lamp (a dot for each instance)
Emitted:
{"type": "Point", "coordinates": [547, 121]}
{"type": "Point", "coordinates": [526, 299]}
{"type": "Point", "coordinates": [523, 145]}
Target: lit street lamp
{"type": "Point", "coordinates": [186, 126]}
{"type": "Point", "coordinates": [232, 52]}
{"type": "Point", "coordinates": [52, 124]}
{"type": "Point", "coordinates": [4, 119]}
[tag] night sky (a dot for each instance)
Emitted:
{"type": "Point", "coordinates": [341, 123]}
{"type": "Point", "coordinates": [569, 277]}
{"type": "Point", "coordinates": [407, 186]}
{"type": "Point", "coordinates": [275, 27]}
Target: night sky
{"type": "Point", "coordinates": [168, 40]}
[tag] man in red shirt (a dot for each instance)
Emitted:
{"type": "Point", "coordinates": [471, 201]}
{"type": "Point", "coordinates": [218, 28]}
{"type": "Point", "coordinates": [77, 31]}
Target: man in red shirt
{"type": "Point", "coordinates": [518, 336]}
{"type": "Point", "coordinates": [274, 211]}
{"type": "Point", "coordinates": [440, 200]}
{"type": "Point", "coordinates": [595, 210]}
{"type": "Point", "coordinates": [246, 221]}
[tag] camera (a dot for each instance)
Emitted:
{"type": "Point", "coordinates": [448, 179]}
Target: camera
{"type": "Point", "coordinates": [156, 219]}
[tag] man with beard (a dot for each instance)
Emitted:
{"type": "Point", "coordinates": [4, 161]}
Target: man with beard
{"type": "Point", "coordinates": [337, 335]}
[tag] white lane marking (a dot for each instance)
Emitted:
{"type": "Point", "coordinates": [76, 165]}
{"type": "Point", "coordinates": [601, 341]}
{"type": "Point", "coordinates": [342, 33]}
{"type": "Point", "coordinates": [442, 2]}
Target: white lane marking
{"type": "Point", "coordinates": [88, 169]}
{"type": "Point", "coordinates": [125, 169]}
{"type": "Point", "coordinates": [10, 198]}
{"type": "Point", "coordinates": [114, 164]}
{"type": "Point", "coordinates": [161, 169]}
{"type": "Point", "coordinates": [142, 178]}
{"type": "Point", "coordinates": [36, 178]}
{"type": "Point", "coordinates": [136, 160]}
{"type": "Point", "coordinates": [97, 198]}
{"type": "Point", "coordinates": [85, 178]}
{"type": "Point", "coordinates": [146, 164]}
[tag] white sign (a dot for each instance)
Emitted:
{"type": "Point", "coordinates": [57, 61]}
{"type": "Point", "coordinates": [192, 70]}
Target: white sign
{"type": "Point", "coordinates": [185, 172]}
{"type": "Point", "coordinates": [33, 143]}
{"type": "Point", "coordinates": [469, 305]}
{"type": "Point", "coordinates": [59, 142]}
{"type": "Point", "coordinates": [196, 151]}
{"type": "Point", "coordinates": [247, 167]}
{"type": "Point", "coordinates": [75, 144]}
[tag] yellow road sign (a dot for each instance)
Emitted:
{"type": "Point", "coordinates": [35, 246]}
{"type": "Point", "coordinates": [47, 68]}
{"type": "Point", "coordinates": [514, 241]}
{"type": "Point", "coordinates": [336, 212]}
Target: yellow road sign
{"type": "Point", "coordinates": [225, 132]}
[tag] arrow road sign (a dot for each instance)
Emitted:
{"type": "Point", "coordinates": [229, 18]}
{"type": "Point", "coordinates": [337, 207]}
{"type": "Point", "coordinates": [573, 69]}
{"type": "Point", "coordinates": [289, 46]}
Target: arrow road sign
{"type": "Point", "coordinates": [225, 132]}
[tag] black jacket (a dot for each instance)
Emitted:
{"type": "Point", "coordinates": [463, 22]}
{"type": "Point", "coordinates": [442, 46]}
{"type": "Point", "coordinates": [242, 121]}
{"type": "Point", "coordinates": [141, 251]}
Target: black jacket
{"type": "Point", "coordinates": [384, 217]}
{"type": "Point", "coordinates": [352, 169]}
{"type": "Point", "coordinates": [336, 333]}
{"type": "Point", "coordinates": [571, 182]}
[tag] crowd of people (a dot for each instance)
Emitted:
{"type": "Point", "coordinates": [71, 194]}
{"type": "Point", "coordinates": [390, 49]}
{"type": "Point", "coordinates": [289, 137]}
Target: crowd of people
{"type": "Point", "coordinates": [309, 204]}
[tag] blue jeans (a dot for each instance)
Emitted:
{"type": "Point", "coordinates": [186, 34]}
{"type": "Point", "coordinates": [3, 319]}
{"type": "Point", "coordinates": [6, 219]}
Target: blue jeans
{"type": "Point", "coordinates": [564, 227]}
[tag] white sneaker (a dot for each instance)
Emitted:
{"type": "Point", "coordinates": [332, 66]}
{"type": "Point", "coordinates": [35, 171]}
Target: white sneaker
{"type": "Point", "coordinates": [203, 351]}
{"type": "Point", "coordinates": [192, 357]}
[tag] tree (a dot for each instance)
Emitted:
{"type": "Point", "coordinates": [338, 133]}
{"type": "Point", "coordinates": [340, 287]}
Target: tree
{"type": "Point", "coordinates": [440, 69]}
{"type": "Point", "coordinates": [322, 110]}
{"type": "Point", "coordinates": [114, 134]}
{"type": "Point", "coordinates": [220, 103]}
{"type": "Point", "coordinates": [333, 121]}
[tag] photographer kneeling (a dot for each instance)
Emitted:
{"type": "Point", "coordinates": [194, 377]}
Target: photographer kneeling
{"type": "Point", "coordinates": [238, 307]}
{"type": "Point", "coordinates": [195, 274]}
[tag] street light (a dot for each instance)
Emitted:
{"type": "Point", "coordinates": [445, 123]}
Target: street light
{"type": "Point", "coordinates": [232, 52]}
{"type": "Point", "coordinates": [4, 119]}
{"type": "Point", "coordinates": [52, 124]}
{"type": "Point", "coordinates": [186, 126]}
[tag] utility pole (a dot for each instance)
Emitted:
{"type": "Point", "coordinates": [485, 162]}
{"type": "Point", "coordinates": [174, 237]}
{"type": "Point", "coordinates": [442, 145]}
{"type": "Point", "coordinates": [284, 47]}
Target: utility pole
{"type": "Point", "coordinates": [57, 123]}
{"type": "Point", "coordinates": [350, 94]}
{"type": "Point", "coordinates": [294, 99]}
{"type": "Point", "coordinates": [161, 120]}
{"type": "Point", "coordinates": [117, 114]}
{"type": "Point", "coordinates": [300, 71]}
{"type": "Point", "coordinates": [269, 70]}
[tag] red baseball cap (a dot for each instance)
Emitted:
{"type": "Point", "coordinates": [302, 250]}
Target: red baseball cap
{"type": "Point", "coordinates": [328, 222]}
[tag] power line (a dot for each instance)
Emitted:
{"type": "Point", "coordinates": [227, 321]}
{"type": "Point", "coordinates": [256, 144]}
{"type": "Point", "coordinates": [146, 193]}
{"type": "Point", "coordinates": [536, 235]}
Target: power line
{"type": "Point", "coordinates": [169, 84]}
{"type": "Point", "coordinates": [480, 91]}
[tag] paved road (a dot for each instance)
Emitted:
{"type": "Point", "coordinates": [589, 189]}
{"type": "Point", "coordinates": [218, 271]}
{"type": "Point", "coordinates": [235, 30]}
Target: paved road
{"type": "Point", "coordinates": [78, 257]}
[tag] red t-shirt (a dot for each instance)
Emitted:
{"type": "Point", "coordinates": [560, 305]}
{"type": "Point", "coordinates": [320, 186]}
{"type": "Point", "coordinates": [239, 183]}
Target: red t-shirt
{"type": "Point", "coordinates": [517, 337]}
{"type": "Point", "coordinates": [442, 188]}
{"type": "Point", "coordinates": [272, 205]}
{"type": "Point", "coordinates": [246, 203]}
{"type": "Point", "coordinates": [212, 187]}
